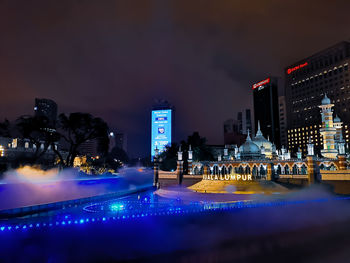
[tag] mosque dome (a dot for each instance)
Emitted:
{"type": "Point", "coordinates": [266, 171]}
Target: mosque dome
{"type": "Point", "coordinates": [326, 100]}
{"type": "Point", "coordinates": [260, 140]}
{"type": "Point", "coordinates": [249, 146]}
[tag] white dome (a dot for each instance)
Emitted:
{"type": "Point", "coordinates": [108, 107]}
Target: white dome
{"type": "Point", "coordinates": [260, 140]}
{"type": "Point", "coordinates": [326, 100]}
{"type": "Point", "coordinates": [249, 146]}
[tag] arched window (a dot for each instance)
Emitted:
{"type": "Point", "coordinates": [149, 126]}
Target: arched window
{"type": "Point", "coordinates": [303, 169]}
{"type": "Point", "coordinates": [295, 169]}
{"type": "Point", "coordinates": [286, 169]}
{"type": "Point", "coordinates": [279, 170]}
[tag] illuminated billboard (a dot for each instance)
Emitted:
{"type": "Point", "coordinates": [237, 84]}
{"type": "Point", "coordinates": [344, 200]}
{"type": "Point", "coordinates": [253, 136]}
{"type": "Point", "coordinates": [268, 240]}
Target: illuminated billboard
{"type": "Point", "coordinates": [161, 130]}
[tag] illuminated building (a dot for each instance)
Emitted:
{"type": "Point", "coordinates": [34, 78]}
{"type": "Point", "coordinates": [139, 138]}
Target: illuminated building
{"type": "Point", "coordinates": [306, 83]}
{"type": "Point", "coordinates": [283, 120]}
{"type": "Point", "coordinates": [46, 108]}
{"type": "Point", "coordinates": [266, 108]}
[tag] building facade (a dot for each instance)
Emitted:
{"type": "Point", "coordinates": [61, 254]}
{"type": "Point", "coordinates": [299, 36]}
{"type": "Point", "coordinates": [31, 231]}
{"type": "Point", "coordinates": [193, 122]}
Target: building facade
{"type": "Point", "coordinates": [283, 120]}
{"type": "Point", "coordinates": [266, 108]}
{"type": "Point", "coordinates": [46, 108]}
{"type": "Point", "coordinates": [306, 83]}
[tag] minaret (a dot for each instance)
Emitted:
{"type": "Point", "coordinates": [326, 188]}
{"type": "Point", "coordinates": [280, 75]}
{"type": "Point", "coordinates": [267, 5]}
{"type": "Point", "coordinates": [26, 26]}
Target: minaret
{"type": "Point", "coordinates": [328, 130]}
{"type": "Point", "coordinates": [179, 168]}
{"type": "Point", "coordinates": [156, 168]}
{"type": "Point", "coordinates": [338, 124]}
{"type": "Point", "coordinates": [189, 161]}
{"type": "Point", "coordinates": [310, 148]}
{"type": "Point", "coordinates": [258, 133]}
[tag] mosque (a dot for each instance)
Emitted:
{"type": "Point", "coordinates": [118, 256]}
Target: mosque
{"type": "Point", "coordinates": [261, 148]}
{"type": "Point", "coordinates": [257, 166]}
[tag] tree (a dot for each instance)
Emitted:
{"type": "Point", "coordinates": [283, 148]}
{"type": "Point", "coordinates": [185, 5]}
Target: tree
{"type": "Point", "coordinates": [168, 157]}
{"type": "Point", "coordinates": [201, 152]}
{"type": "Point", "coordinates": [5, 128]}
{"type": "Point", "coordinates": [36, 130]}
{"type": "Point", "coordinates": [116, 158]}
{"type": "Point", "coordinates": [79, 128]}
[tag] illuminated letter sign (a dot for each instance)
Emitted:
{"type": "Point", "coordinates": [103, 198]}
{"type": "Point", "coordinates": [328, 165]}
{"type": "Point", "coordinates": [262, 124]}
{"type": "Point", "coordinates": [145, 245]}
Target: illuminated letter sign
{"type": "Point", "coordinates": [161, 130]}
{"type": "Point", "coordinates": [231, 177]}
{"type": "Point", "coordinates": [261, 83]}
{"type": "Point", "coordinates": [290, 70]}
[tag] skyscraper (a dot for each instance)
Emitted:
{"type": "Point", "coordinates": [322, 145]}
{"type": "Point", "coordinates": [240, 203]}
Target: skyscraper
{"type": "Point", "coordinates": [306, 83]}
{"type": "Point", "coordinates": [265, 94]}
{"type": "Point", "coordinates": [46, 108]}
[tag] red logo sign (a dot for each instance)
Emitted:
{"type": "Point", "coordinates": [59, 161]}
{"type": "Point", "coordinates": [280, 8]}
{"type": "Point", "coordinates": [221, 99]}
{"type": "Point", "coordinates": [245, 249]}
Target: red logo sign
{"type": "Point", "coordinates": [290, 70]}
{"type": "Point", "coordinates": [261, 83]}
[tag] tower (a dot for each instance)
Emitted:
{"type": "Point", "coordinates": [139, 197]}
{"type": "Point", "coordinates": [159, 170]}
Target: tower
{"type": "Point", "coordinates": [328, 131]}
{"type": "Point", "coordinates": [189, 161]}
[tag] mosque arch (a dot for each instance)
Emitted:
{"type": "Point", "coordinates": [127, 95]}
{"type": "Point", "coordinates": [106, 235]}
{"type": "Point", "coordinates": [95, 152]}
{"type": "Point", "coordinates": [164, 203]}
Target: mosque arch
{"type": "Point", "coordinates": [230, 169]}
{"type": "Point", "coordinates": [286, 169]}
{"type": "Point", "coordinates": [295, 169]}
{"type": "Point", "coordinates": [303, 169]}
{"type": "Point", "coordinates": [223, 170]}
{"type": "Point", "coordinates": [278, 169]}
{"type": "Point", "coordinates": [215, 170]}
{"type": "Point", "coordinates": [254, 171]}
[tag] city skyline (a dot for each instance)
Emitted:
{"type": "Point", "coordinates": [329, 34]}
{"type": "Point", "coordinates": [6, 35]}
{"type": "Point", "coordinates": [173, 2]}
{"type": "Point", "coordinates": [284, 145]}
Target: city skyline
{"type": "Point", "coordinates": [131, 59]}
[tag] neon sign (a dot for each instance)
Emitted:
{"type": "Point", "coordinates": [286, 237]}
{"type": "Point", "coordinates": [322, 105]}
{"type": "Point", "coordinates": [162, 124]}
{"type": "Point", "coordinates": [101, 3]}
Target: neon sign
{"type": "Point", "coordinates": [290, 70]}
{"type": "Point", "coordinates": [261, 83]}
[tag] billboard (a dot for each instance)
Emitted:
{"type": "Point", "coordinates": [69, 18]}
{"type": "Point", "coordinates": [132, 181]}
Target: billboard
{"type": "Point", "coordinates": [161, 130]}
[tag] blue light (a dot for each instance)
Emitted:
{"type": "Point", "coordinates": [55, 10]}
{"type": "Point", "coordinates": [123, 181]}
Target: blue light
{"type": "Point", "coordinates": [117, 207]}
{"type": "Point", "coordinates": [2, 228]}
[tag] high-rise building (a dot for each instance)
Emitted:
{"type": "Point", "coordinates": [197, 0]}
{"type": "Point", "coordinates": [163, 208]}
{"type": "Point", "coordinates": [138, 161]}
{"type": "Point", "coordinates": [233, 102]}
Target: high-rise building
{"type": "Point", "coordinates": [46, 108]}
{"type": "Point", "coordinates": [248, 120]}
{"type": "Point", "coordinates": [121, 141]}
{"type": "Point", "coordinates": [244, 121]}
{"type": "Point", "coordinates": [232, 135]}
{"type": "Point", "coordinates": [283, 120]}
{"type": "Point", "coordinates": [266, 109]}
{"type": "Point", "coordinates": [162, 123]}
{"type": "Point", "coordinates": [306, 83]}
{"type": "Point", "coordinates": [240, 122]}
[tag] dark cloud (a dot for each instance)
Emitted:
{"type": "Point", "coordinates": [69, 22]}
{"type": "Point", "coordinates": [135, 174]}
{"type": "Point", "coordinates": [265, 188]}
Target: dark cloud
{"type": "Point", "coordinates": [112, 58]}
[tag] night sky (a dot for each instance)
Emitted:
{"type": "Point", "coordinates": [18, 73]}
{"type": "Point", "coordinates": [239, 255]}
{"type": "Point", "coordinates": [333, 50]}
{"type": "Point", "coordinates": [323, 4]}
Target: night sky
{"type": "Point", "coordinates": [113, 58]}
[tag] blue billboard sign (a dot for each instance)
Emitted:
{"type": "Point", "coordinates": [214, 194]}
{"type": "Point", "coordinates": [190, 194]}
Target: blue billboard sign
{"type": "Point", "coordinates": [161, 130]}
